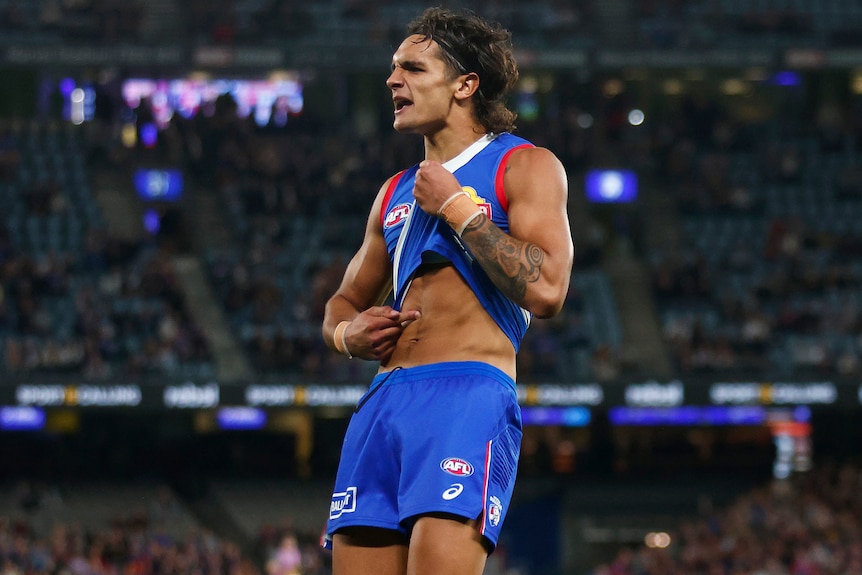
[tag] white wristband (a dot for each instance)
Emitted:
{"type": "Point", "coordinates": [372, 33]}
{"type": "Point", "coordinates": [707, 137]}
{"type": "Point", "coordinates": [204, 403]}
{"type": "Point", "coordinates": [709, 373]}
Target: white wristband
{"type": "Point", "coordinates": [339, 338]}
{"type": "Point", "coordinates": [458, 211]}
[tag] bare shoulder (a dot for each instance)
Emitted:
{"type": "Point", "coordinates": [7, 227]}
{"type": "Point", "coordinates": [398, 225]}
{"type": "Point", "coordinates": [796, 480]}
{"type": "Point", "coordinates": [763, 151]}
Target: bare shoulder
{"type": "Point", "coordinates": [374, 217]}
{"type": "Point", "coordinates": [533, 169]}
{"type": "Point", "coordinates": [533, 154]}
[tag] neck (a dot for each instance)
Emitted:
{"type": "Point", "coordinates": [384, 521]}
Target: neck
{"type": "Point", "coordinates": [443, 147]}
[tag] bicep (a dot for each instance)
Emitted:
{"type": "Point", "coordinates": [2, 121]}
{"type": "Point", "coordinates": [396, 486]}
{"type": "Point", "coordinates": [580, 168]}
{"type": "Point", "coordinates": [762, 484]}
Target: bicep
{"type": "Point", "coordinates": [537, 189]}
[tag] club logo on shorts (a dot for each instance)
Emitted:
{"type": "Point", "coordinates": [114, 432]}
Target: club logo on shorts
{"type": "Point", "coordinates": [495, 511]}
{"type": "Point", "coordinates": [457, 466]}
{"type": "Point", "coordinates": [396, 215]}
{"type": "Point", "coordinates": [344, 502]}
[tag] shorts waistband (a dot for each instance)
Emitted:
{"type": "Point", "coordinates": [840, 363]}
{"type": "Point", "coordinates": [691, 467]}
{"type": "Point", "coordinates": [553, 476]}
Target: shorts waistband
{"type": "Point", "coordinates": [444, 369]}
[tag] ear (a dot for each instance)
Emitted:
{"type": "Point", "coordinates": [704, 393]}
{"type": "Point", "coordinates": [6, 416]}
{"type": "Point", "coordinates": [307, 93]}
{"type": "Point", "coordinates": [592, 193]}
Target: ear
{"type": "Point", "coordinates": [469, 84]}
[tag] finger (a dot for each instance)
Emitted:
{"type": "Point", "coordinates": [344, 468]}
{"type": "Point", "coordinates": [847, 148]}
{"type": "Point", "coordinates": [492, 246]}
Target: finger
{"type": "Point", "coordinates": [383, 352]}
{"type": "Point", "coordinates": [409, 317]}
{"type": "Point", "coordinates": [386, 312]}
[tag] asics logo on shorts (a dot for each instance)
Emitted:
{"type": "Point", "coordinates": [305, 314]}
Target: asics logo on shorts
{"type": "Point", "coordinates": [453, 491]}
{"type": "Point", "coordinates": [343, 502]}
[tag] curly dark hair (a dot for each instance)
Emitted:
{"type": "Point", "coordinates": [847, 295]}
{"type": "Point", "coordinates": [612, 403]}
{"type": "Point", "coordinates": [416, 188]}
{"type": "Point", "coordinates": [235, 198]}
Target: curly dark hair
{"type": "Point", "coordinates": [469, 43]}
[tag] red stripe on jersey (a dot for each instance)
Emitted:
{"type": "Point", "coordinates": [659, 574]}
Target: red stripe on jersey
{"type": "Point", "coordinates": [390, 189]}
{"type": "Point", "coordinates": [485, 487]}
{"type": "Point", "coordinates": [501, 174]}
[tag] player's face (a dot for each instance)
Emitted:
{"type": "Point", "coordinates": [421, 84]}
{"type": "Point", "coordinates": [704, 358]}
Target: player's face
{"type": "Point", "coordinates": [422, 86]}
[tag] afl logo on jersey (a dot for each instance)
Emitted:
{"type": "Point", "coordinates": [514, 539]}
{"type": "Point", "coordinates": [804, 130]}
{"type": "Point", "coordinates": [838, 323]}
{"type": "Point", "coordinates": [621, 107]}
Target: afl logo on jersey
{"type": "Point", "coordinates": [396, 215]}
{"type": "Point", "coordinates": [456, 466]}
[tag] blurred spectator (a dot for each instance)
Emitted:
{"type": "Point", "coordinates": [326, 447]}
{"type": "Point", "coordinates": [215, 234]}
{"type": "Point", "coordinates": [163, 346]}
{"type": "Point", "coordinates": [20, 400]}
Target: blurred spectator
{"type": "Point", "coordinates": [809, 524]}
{"type": "Point", "coordinates": [286, 559]}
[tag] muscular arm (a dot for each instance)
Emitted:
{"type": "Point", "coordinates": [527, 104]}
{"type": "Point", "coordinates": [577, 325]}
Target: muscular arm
{"type": "Point", "coordinates": [532, 265]}
{"type": "Point", "coordinates": [366, 283]}
{"type": "Point", "coordinates": [511, 264]}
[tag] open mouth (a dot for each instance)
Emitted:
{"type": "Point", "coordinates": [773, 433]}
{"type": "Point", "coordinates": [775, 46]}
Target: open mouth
{"type": "Point", "coordinates": [401, 103]}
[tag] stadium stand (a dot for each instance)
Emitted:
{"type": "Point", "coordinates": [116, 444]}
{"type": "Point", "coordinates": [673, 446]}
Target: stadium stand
{"type": "Point", "coordinates": [766, 278]}
{"type": "Point", "coordinates": [740, 261]}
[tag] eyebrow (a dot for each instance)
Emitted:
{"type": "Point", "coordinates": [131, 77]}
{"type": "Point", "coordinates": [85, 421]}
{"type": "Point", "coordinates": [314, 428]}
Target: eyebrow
{"type": "Point", "coordinates": [409, 64]}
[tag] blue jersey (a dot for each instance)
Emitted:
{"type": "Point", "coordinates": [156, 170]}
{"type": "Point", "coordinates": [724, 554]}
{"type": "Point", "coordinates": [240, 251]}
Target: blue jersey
{"type": "Point", "coordinates": [413, 237]}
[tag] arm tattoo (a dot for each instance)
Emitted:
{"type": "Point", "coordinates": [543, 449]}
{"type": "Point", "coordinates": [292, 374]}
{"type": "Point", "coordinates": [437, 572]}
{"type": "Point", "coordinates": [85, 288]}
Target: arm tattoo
{"type": "Point", "coordinates": [511, 264]}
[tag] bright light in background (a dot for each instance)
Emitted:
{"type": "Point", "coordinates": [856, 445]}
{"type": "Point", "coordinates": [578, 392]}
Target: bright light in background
{"type": "Point", "coordinates": [657, 540]}
{"type": "Point", "coordinates": [636, 117]}
{"type": "Point", "coordinates": [611, 186]}
{"type": "Point", "coordinates": [529, 84]}
{"type": "Point", "coordinates": [79, 101]}
{"type": "Point", "coordinates": [76, 111]}
{"type": "Point", "coordinates": [66, 86]}
{"type": "Point", "coordinates": [787, 78]}
{"type": "Point", "coordinates": [585, 121]}
{"type": "Point", "coordinates": [672, 87]}
{"type": "Point", "coordinates": [241, 418]}
{"type": "Point", "coordinates": [22, 418]}
{"type": "Point", "coordinates": [152, 221]}
{"type": "Point", "coordinates": [149, 134]}
{"type": "Point", "coordinates": [735, 87]}
{"type": "Point", "coordinates": [198, 93]}
{"type": "Point", "coordinates": [528, 106]}
{"type": "Point", "coordinates": [613, 87]}
{"type": "Point", "coordinates": [129, 135]}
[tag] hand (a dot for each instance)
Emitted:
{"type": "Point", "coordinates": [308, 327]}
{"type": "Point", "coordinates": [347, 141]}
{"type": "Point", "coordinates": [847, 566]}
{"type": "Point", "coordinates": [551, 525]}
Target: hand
{"type": "Point", "coordinates": [433, 185]}
{"type": "Point", "coordinates": [374, 332]}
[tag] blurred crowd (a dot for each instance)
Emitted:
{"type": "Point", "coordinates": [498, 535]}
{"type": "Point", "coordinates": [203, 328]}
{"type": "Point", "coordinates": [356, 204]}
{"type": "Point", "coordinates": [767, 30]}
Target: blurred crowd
{"type": "Point", "coordinates": [138, 538]}
{"type": "Point", "coordinates": [279, 22]}
{"type": "Point", "coordinates": [273, 22]}
{"type": "Point", "coordinates": [707, 24]}
{"type": "Point", "coordinates": [808, 525]}
{"type": "Point", "coordinates": [652, 24]}
{"type": "Point", "coordinates": [146, 537]}
{"type": "Point", "coordinates": [72, 20]}
{"type": "Point", "coordinates": [74, 299]}
{"type": "Point", "coordinates": [766, 199]}
{"type": "Point", "coordinates": [767, 278]}
{"type": "Point", "coordinates": [131, 321]}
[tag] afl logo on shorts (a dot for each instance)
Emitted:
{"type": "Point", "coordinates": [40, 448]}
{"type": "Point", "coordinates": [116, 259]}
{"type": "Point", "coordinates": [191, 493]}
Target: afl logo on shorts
{"type": "Point", "coordinates": [396, 215]}
{"type": "Point", "coordinates": [455, 466]}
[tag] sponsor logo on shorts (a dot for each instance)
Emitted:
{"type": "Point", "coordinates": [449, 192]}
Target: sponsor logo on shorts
{"type": "Point", "coordinates": [343, 502]}
{"type": "Point", "coordinates": [457, 466]}
{"type": "Point", "coordinates": [495, 511]}
{"type": "Point", "coordinates": [453, 491]}
{"type": "Point", "coordinates": [396, 215]}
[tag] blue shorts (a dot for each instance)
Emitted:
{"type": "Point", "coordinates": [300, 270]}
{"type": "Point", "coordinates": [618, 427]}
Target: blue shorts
{"type": "Point", "coordinates": [441, 438]}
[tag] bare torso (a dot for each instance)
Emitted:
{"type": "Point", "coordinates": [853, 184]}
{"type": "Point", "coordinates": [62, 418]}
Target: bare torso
{"type": "Point", "coordinates": [453, 327]}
